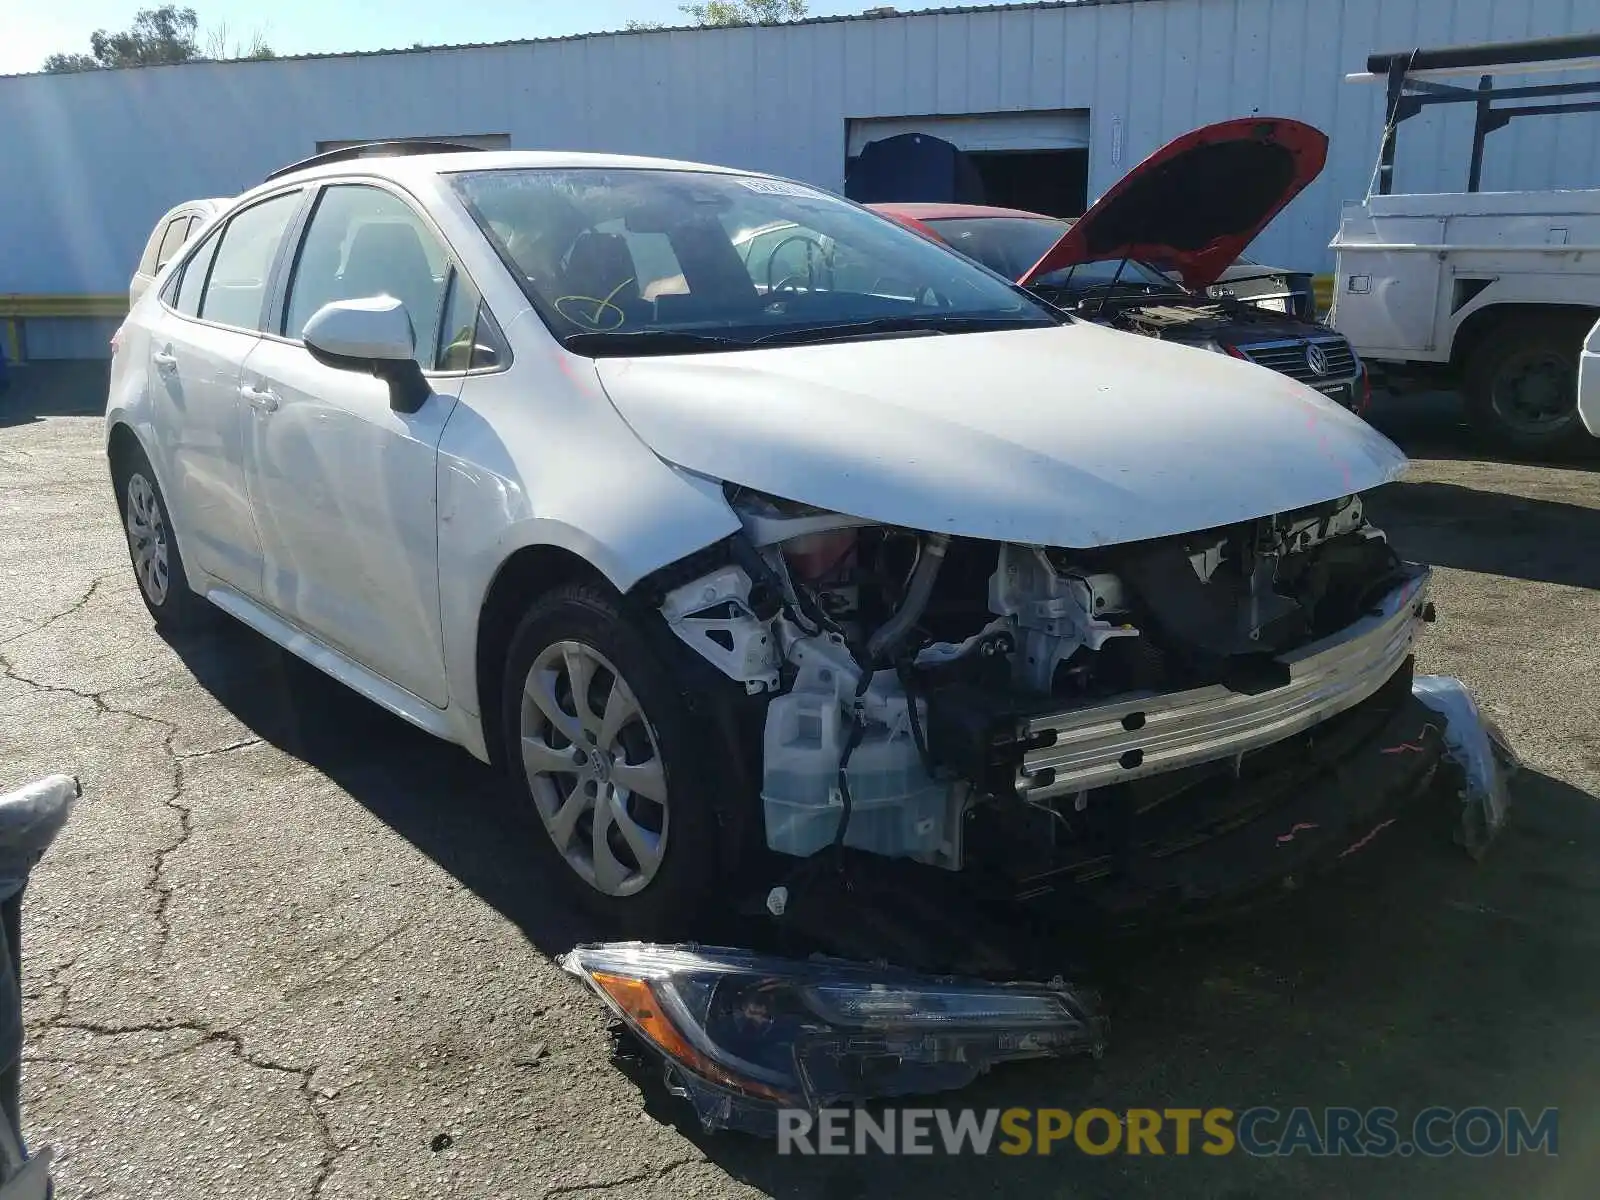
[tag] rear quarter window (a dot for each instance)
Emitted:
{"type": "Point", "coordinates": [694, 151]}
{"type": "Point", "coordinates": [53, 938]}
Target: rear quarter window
{"type": "Point", "coordinates": [152, 247]}
{"type": "Point", "coordinates": [177, 232]}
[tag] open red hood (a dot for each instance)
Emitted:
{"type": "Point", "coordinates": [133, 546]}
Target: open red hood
{"type": "Point", "coordinates": [1195, 204]}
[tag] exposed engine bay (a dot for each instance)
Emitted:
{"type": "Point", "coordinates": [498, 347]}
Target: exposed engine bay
{"type": "Point", "coordinates": [1178, 315]}
{"type": "Point", "coordinates": [929, 697]}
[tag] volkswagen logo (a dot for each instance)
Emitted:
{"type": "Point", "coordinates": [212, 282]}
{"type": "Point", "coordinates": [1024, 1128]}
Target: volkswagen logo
{"type": "Point", "coordinates": [1317, 359]}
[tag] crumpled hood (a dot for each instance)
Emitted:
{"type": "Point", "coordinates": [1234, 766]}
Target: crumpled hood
{"type": "Point", "coordinates": [1068, 436]}
{"type": "Point", "coordinates": [1196, 203]}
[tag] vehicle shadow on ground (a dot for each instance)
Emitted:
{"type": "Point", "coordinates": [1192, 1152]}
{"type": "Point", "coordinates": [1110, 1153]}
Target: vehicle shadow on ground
{"type": "Point", "coordinates": [1494, 533]}
{"type": "Point", "coordinates": [65, 389]}
{"type": "Point", "coordinates": [1434, 425]}
{"type": "Point", "coordinates": [448, 805]}
{"type": "Point", "coordinates": [1414, 977]}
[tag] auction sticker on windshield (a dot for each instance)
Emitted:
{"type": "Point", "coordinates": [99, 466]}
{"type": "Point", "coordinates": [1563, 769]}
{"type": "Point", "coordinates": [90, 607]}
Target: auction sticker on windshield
{"type": "Point", "coordinates": [780, 187]}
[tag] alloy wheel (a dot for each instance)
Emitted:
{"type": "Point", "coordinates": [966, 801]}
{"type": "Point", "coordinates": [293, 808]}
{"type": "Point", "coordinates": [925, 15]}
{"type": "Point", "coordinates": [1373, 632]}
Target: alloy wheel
{"type": "Point", "coordinates": [594, 768]}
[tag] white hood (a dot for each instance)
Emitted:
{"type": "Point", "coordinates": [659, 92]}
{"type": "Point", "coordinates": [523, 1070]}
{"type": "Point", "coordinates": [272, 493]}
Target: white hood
{"type": "Point", "coordinates": [1069, 436]}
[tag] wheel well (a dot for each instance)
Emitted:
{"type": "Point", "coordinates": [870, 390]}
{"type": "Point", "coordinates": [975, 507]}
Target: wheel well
{"type": "Point", "coordinates": [122, 443]}
{"type": "Point", "coordinates": [522, 578]}
{"type": "Point", "coordinates": [1481, 325]}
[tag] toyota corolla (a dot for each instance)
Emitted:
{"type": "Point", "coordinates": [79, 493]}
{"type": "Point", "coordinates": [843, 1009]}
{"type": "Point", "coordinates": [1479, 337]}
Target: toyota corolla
{"type": "Point", "coordinates": [737, 522]}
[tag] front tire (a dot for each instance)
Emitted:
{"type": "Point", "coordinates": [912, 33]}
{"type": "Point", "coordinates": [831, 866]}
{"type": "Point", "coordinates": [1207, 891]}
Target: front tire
{"type": "Point", "coordinates": [1522, 386]}
{"type": "Point", "coordinates": [604, 751]}
{"type": "Point", "coordinates": [152, 544]}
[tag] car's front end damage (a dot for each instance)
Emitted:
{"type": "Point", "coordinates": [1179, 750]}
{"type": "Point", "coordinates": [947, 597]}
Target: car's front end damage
{"type": "Point", "coordinates": [1164, 728]}
{"type": "Point", "coordinates": [1060, 715]}
{"type": "Point", "coordinates": [1101, 638]}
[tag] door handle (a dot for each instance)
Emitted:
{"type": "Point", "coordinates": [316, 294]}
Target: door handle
{"type": "Point", "coordinates": [261, 399]}
{"type": "Point", "coordinates": [164, 360]}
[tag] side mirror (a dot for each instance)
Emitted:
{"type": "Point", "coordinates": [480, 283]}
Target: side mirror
{"type": "Point", "coordinates": [372, 335]}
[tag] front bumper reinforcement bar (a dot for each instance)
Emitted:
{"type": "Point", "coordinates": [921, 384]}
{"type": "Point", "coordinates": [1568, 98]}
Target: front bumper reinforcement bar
{"type": "Point", "coordinates": [1147, 734]}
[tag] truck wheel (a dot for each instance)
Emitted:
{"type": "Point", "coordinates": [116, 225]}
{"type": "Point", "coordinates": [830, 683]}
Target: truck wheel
{"type": "Point", "coordinates": [1522, 385]}
{"type": "Point", "coordinates": [614, 770]}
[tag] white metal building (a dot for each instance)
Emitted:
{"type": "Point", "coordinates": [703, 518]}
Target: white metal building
{"type": "Point", "coordinates": [89, 161]}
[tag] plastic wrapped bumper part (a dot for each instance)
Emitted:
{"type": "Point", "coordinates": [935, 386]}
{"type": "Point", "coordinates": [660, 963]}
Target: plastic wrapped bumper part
{"type": "Point", "coordinates": [743, 1035]}
{"type": "Point", "coordinates": [1476, 745]}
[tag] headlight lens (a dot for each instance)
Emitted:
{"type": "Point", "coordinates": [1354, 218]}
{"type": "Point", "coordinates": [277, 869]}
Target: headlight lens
{"type": "Point", "coordinates": [742, 1035]}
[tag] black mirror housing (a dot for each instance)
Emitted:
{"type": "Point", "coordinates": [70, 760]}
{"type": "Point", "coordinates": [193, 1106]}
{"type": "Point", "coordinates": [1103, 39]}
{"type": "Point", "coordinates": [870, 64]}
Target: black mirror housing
{"type": "Point", "coordinates": [408, 387]}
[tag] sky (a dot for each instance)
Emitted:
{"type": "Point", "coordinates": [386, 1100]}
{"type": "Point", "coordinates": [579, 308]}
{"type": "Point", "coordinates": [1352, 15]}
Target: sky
{"type": "Point", "coordinates": [30, 31]}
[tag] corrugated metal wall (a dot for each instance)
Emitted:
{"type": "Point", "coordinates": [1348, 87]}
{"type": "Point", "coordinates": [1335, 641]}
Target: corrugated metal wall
{"type": "Point", "coordinates": [88, 161]}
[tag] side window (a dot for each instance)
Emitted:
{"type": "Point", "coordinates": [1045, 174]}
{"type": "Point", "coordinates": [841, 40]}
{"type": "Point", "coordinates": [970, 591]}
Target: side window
{"type": "Point", "coordinates": [237, 289]}
{"type": "Point", "coordinates": [363, 241]}
{"type": "Point", "coordinates": [172, 240]}
{"type": "Point", "coordinates": [469, 340]}
{"type": "Point", "coordinates": [147, 260]}
{"type": "Point", "coordinates": [458, 332]}
{"type": "Point", "coordinates": [194, 278]}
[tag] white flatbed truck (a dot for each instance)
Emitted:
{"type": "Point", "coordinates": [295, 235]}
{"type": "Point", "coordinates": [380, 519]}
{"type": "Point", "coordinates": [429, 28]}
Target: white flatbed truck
{"type": "Point", "coordinates": [1492, 292]}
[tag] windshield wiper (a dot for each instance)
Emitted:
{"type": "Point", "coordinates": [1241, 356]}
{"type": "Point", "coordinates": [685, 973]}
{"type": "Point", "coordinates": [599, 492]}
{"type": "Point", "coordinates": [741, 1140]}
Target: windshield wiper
{"type": "Point", "coordinates": [932, 323]}
{"type": "Point", "coordinates": [639, 342]}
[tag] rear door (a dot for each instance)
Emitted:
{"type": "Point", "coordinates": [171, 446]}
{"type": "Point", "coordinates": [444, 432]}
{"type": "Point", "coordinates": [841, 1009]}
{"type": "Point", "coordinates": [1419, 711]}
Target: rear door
{"type": "Point", "coordinates": [208, 322]}
{"type": "Point", "coordinates": [342, 486]}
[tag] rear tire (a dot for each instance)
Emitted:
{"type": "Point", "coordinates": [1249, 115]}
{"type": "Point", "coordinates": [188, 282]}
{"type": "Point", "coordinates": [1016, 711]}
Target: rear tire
{"type": "Point", "coordinates": [617, 790]}
{"type": "Point", "coordinates": [1522, 385]}
{"type": "Point", "coordinates": [152, 544]}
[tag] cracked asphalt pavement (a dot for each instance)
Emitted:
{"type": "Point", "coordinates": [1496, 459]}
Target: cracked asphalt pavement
{"type": "Point", "coordinates": [289, 947]}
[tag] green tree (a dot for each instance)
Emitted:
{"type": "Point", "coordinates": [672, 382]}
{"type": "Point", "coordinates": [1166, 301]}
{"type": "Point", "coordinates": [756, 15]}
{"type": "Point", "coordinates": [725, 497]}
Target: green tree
{"type": "Point", "coordinates": [168, 34]}
{"type": "Point", "coordinates": [744, 12]}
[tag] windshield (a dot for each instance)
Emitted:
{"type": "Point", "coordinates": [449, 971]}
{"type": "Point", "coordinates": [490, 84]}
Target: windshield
{"type": "Point", "coordinates": [618, 261]}
{"type": "Point", "coordinates": [1010, 245]}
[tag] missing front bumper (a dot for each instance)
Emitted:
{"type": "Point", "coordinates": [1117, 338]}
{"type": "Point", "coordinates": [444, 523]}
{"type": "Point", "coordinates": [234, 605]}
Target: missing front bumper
{"type": "Point", "coordinates": [1138, 736]}
{"type": "Point", "coordinates": [743, 1036]}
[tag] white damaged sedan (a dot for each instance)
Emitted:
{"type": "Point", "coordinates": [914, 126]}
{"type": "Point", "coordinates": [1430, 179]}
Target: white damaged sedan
{"type": "Point", "coordinates": [738, 522]}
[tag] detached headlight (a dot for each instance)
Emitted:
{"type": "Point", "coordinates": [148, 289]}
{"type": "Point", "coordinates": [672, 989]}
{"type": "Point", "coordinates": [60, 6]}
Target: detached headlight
{"type": "Point", "coordinates": [743, 1035]}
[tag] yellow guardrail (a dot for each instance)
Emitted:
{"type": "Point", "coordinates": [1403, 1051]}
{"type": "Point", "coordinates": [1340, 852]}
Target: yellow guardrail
{"type": "Point", "coordinates": [15, 305]}
{"type": "Point", "coordinates": [17, 308]}
{"type": "Point", "coordinates": [1322, 291]}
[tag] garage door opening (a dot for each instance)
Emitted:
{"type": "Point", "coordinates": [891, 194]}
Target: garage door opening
{"type": "Point", "coordinates": [1037, 161]}
{"type": "Point", "coordinates": [1054, 182]}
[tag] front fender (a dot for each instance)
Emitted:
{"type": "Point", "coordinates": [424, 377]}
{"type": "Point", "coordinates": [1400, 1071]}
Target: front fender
{"type": "Point", "coordinates": [537, 456]}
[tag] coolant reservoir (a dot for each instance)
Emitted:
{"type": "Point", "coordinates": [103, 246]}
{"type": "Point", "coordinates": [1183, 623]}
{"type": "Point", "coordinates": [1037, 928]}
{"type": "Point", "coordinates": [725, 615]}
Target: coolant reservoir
{"type": "Point", "coordinates": [897, 809]}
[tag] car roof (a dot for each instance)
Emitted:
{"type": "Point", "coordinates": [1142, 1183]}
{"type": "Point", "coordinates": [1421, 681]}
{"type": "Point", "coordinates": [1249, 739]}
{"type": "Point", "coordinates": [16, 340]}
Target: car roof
{"type": "Point", "coordinates": [208, 204]}
{"type": "Point", "coordinates": [951, 212]}
{"type": "Point", "coordinates": [411, 166]}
